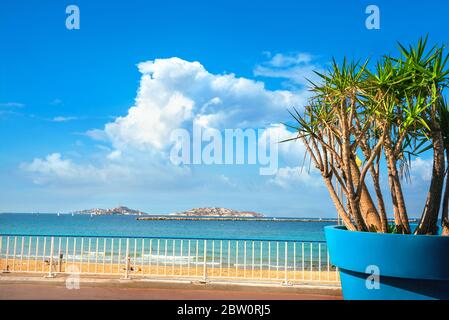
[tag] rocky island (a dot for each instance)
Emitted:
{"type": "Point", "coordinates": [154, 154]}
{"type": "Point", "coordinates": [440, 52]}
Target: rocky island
{"type": "Point", "coordinates": [122, 210]}
{"type": "Point", "coordinates": [216, 212]}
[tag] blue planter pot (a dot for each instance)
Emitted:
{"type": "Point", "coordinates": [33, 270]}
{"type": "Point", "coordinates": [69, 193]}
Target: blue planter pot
{"type": "Point", "coordinates": [406, 266]}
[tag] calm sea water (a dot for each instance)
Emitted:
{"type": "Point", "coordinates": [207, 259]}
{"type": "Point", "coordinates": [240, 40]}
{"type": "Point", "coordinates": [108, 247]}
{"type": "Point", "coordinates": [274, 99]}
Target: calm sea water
{"type": "Point", "coordinates": [269, 252]}
{"type": "Point", "coordinates": [85, 225]}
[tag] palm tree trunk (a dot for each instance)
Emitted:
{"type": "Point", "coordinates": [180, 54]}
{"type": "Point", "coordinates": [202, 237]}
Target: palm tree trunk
{"type": "Point", "coordinates": [380, 200]}
{"type": "Point", "coordinates": [444, 213]}
{"type": "Point", "coordinates": [400, 211]}
{"type": "Point", "coordinates": [347, 159]}
{"type": "Point", "coordinates": [428, 223]}
{"type": "Point", "coordinates": [367, 207]}
{"type": "Point", "coordinates": [338, 205]}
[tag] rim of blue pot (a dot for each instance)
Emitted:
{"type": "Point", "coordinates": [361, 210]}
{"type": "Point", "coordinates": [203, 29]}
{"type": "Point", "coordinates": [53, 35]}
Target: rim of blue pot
{"type": "Point", "coordinates": [412, 225]}
{"type": "Point", "coordinates": [396, 255]}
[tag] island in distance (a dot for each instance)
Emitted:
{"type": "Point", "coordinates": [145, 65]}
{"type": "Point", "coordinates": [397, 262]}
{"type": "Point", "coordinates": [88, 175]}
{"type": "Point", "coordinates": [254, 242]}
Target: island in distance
{"type": "Point", "coordinates": [207, 214]}
{"type": "Point", "coordinates": [216, 212]}
{"type": "Point", "coordinates": [121, 210]}
{"type": "Point", "coordinates": [197, 212]}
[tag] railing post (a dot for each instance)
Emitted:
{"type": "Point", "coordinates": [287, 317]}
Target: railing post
{"type": "Point", "coordinates": [173, 244]}
{"type": "Point", "coordinates": [111, 263]}
{"type": "Point", "coordinates": [1, 252]}
{"type": "Point", "coordinates": [60, 255]}
{"type": "Point", "coordinates": [104, 255]}
{"type": "Point", "coordinates": [6, 267]}
{"type": "Point", "coordinates": [244, 259]}
{"type": "Point", "coordinates": [1, 243]}
{"type": "Point", "coordinates": [221, 256]}
{"type": "Point", "coordinates": [181, 257]}
{"type": "Point", "coordinates": [29, 253]}
{"type": "Point", "coordinates": [21, 252]}
{"type": "Point", "coordinates": [285, 283]}
{"type": "Point", "coordinates": [36, 254]}
{"type": "Point", "coordinates": [126, 277]}
{"type": "Point", "coordinates": [294, 260]}
{"type": "Point", "coordinates": [311, 260]}
{"type": "Point", "coordinates": [96, 256]}
{"type": "Point", "coordinates": [319, 261]}
{"type": "Point", "coordinates": [205, 262]}
{"type": "Point", "coordinates": [14, 254]}
{"type": "Point", "coordinates": [188, 259]}
{"type": "Point", "coordinates": [52, 245]}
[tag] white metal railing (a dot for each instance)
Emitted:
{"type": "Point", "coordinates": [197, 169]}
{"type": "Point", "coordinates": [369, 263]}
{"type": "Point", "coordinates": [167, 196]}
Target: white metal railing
{"type": "Point", "coordinates": [254, 260]}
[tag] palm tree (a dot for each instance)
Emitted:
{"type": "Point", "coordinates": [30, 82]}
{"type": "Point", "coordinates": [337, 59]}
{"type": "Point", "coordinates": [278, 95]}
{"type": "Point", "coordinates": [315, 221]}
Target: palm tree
{"type": "Point", "coordinates": [358, 119]}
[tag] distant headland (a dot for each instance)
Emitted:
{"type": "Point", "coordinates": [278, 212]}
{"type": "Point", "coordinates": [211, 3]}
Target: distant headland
{"type": "Point", "coordinates": [216, 212]}
{"type": "Point", "coordinates": [196, 212]}
{"type": "Point", "coordinates": [121, 210]}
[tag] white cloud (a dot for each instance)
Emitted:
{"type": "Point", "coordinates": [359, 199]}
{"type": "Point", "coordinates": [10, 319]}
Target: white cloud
{"type": "Point", "coordinates": [11, 104]}
{"type": "Point", "coordinates": [286, 60]}
{"type": "Point", "coordinates": [63, 119]}
{"type": "Point", "coordinates": [290, 152]}
{"type": "Point", "coordinates": [300, 176]}
{"type": "Point", "coordinates": [114, 155]}
{"type": "Point", "coordinates": [54, 169]}
{"type": "Point", "coordinates": [226, 181]}
{"type": "Point", "coordinates": [56, 102]}
{"type": "Point", "coordinates": [173, 93]}
{"type": "Point", "coordinates": [296, 172]}
{"type": "Point", "coordinates": [97, 134]}
{"type": "Point", "coordinates": [297, 68]}
{"type": "Point", "coordinates": [421, 169]}
{"type": "Point", "coordinates": [53, 166]}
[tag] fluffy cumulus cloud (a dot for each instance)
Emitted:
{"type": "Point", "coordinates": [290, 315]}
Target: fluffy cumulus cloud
{"type": "Point", "coordinates": [174, 93]}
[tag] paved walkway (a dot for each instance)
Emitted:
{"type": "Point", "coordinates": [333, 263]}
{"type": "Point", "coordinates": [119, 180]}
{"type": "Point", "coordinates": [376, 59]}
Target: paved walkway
{"type": "Point", "coordinates": [32, 291]}
{"type": "Point", "coordinates": [32, 288]}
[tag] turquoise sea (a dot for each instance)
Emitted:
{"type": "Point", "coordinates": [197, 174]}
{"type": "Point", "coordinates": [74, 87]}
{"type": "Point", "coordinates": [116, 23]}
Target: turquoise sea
{"type": "Point", "coordinates": [116, 225]}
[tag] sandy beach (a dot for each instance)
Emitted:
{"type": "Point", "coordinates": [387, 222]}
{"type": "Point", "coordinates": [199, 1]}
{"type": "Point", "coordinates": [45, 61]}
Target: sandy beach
{"type": "Point", "coordinates": [169, 270]}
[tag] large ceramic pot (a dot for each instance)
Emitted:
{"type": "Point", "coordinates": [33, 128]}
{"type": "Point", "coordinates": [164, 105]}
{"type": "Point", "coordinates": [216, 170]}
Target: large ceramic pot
{"type": "Point", "coordinates": [389, 266]}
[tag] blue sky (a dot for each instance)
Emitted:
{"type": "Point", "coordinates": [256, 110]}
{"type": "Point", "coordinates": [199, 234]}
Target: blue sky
{"type": "Point", "coordinates": [59, 88]}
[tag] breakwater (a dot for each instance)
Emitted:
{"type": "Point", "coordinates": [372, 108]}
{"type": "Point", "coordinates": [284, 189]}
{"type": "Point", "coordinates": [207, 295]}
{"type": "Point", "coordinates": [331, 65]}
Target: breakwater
{"type": "Point", "coordinates": [205, 218]}
{"type": "Point", "coordinates": [266, 219]}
